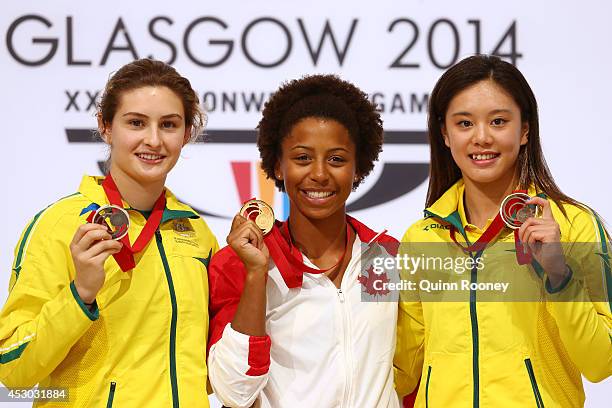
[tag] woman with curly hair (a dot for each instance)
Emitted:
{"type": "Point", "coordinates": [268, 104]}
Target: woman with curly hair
{"type": "Point", "coordinates": [289, 327]}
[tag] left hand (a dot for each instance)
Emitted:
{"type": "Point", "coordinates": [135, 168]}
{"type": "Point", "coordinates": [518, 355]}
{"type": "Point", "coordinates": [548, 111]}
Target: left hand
{"type": "Point", "coordinates": [543, 237]}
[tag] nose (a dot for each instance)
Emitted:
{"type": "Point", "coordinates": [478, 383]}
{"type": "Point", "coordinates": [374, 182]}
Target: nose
{"type": "Point", "coordinates": [482, 136]}
{"type": "Point", "coordinates": [152, 137]}
{"type": "Point", "coordinates": [319, 172]}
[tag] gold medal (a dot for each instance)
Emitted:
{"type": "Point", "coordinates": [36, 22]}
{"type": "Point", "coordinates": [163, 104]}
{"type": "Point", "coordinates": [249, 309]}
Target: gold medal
{"type": "Point", "coordinates": [260, 213]}
{"type": "Point", "coordinates": [115, 219]}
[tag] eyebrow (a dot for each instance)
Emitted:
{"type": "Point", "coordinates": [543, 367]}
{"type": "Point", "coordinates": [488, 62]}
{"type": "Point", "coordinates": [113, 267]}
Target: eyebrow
{"type": "Point", "coordinates": [142, 115]}
{"type": "Point", "coordinates": [310, 148]}
{"type": "Point", "coordinates": [493, 112]}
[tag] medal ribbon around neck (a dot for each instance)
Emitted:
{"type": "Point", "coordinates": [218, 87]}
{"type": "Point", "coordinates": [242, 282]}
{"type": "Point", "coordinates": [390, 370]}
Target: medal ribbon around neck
{"type": "Point", "coordinates": [125, 257]}
{"type": "Point", "coordinates": [285, 255]}
{"type": "Point", "coordinates": [523, 254]}
{"type": "Point", "coordinates": [289, 260]}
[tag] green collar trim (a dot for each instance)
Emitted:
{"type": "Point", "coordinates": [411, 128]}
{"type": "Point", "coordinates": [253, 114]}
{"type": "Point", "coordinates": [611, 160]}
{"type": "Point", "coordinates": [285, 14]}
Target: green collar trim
{"type": "Point", "coordinates": [454, 219]}
{"type": "Point", "coordinates": [176, 214]}
{"type": "Point", "coordinates": [168, 214]}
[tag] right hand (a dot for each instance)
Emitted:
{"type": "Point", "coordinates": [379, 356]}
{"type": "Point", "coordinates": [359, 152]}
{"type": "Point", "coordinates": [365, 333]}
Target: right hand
{"type": "Point", "coordinates": [247, 240]}
{"type": "Point", "coordinates": [90, 247]}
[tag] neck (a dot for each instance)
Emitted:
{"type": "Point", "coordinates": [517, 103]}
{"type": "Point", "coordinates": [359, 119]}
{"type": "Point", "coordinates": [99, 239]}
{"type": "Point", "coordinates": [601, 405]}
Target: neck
{"type": "Point", "coordinates": [138, 196]}
{"type": "Point", "coordinates": [317, 238]}
{"type": "Point", "coordinates": [482, 200]}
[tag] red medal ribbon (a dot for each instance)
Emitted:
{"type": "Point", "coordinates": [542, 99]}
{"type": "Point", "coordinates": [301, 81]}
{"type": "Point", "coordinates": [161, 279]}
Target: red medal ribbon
{"type": "Point", "coordinates": [496, 226]}
{"type": "Point", "coordinates": [523, 254]}
{"type": "Point", "coordinates": [125, 257]}
{"type": "Point", "coordinates": [288, 258]}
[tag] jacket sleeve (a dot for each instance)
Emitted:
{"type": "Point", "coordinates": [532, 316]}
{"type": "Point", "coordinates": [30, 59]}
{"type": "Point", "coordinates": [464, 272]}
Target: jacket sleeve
{"type": "Point", "coordinates": [43, 316]}
{"type": "Point", "coordinates": [237, 363]}
{"type": "Point", "coordinates": [581, 304]}
{"type": "Point", "coordinates": [409, 349]}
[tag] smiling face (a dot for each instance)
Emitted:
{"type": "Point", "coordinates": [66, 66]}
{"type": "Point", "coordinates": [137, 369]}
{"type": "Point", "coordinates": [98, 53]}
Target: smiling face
{"type": "Point", "coordinates": [146, 134]}
{"type": "Point", "coordinates": [318, 167]}
{"type": "Point", "coordinates": [484, 132]}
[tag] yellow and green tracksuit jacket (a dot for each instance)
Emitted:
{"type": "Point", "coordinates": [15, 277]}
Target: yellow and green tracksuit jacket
{"type": "Point", "coordinates": [526, 350]}
{"type": "Point", "coordinates": [144, 343]}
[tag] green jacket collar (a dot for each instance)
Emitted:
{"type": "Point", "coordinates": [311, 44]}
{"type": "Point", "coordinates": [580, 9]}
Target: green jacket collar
{"type": "Point", "coordinates": [446, 208]}
{"type": "Point", "coordinates": [91, 187]}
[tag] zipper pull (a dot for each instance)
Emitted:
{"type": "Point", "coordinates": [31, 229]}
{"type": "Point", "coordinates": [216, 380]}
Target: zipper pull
{"type": "Point", "coordinates": [341, 295]}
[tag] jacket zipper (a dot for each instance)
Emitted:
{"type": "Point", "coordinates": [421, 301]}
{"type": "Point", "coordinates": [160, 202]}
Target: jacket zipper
{"type": "Point", "coordinates": [427, 387]}
{"type": "Point", "coordinates": [473, 323]}
{"type": "Point", "coordinates": [534, 384]}
{"type": "Point", "coordinates": [111, 394]}
{"type": "Point", "coordinates": [475, 339]}
{"type": "Point", "coordinates": [346, 335]}
{"type": "Point", "coordinates": [173, 380]}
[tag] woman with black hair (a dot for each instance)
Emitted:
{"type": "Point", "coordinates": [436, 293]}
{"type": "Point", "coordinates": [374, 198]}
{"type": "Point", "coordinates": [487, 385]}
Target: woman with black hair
{"type": "Point", "coordinates": [495, 201]}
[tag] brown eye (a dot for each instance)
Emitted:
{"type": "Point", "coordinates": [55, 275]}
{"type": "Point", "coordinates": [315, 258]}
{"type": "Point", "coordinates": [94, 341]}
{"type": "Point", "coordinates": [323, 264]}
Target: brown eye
{"type": "Point", "coordinates": [136, 122]}
{"type": "Point", "coordinates": [498, 121]}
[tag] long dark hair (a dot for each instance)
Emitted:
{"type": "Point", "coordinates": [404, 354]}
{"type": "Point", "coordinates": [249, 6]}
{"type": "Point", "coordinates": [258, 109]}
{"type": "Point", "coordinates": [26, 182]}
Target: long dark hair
{"type": "Point", "coordinates": [531, 167]}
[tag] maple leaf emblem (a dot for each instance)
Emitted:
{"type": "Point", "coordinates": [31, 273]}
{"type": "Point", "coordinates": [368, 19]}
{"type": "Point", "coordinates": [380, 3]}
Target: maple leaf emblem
{"type": "Point", "coordinates": [367, 281]}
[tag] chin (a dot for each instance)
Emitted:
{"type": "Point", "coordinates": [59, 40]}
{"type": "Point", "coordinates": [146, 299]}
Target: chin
{"type": "Point", "coordinates": [150, 177]}
{"type": "Point", "coordinates": [319, 213]}
{"type": "Point", "coordinates": [485, 177]}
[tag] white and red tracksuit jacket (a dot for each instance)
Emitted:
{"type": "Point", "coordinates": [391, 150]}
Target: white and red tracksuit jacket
{"type": "Point", "coordinates": [324, 347]}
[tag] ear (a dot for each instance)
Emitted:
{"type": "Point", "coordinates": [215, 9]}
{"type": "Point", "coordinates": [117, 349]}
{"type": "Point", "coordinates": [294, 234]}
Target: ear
{"type": "Point", "coordinates": [187, 136]}
{"type": "Point", "coordinates": [104, 129]}
{"type": "Point", "coordinates": [444, 135]}
{"type": "Point", "coordinates": [524, 133]}
{"type": "Point", "coordinates": [278, 175]}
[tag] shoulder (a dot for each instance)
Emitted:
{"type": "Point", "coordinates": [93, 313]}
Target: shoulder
{"type": "Point", "coordinates": [226, 272]}
{"type": "Point", "coordinates": [226, 259]}
{"type": "Point", "coordinates": [578, 223]}
{"type": "Point", "coordinates": [180, 212]}
{"type": "Point", "coordinates": [50, 230]}
{"type": "Point", "coordinates": [424, 229]}
{"type": "Point", "coordinates": [59, 216]}
{"type": "Point", "coordinates": [204, 231]}
{"type": "Point", "coordinates": [366, 234]}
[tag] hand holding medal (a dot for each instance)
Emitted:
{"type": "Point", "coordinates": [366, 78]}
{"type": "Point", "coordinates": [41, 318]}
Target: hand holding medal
{"type": "Point", "coordinates": [91, 245]}
{"type": "Point", "coordinates": [541, 234]}
{"type": "Point", "coordinates": [255, 219]}
{"type": "Point", "coordinates": [259, 212]}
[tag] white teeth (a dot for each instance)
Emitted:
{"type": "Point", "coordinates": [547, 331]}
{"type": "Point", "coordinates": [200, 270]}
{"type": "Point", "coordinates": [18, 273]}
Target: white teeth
{"type": "Point", "coordinates": [319, 194]}
{"type": "Point", "coordinates": [483, 156]}
{"type": "Point", "coordinates": [149, 156]}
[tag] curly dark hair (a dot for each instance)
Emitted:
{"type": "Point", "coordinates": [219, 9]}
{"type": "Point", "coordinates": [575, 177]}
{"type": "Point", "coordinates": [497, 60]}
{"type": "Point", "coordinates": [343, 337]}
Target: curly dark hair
{"type": "Point", "coordinates": [320, 96]}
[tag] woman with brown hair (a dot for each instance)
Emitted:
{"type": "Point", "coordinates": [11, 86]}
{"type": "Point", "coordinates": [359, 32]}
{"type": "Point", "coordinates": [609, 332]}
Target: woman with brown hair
{"type": "Point", "coordinates": [108, 300]}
